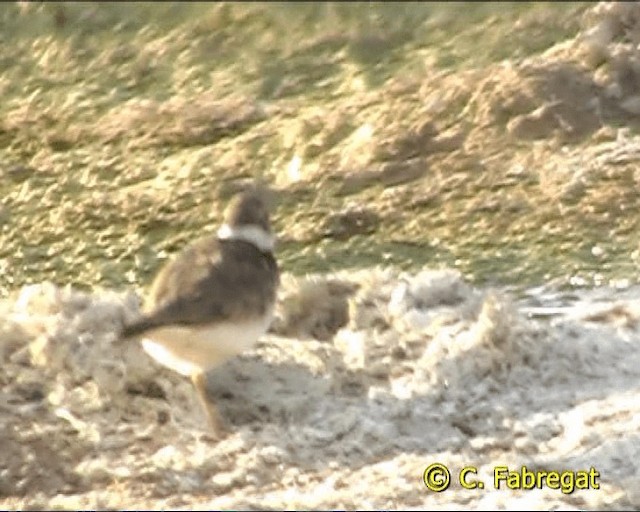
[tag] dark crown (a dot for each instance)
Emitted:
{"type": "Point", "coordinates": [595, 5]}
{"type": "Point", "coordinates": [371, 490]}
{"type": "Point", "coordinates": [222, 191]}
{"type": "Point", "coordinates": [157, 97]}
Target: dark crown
{"type": "Point", "coordinates": [248, 208]}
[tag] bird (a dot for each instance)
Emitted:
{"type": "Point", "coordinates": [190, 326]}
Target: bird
{"type": "Point", "coordinates": [214, 299]}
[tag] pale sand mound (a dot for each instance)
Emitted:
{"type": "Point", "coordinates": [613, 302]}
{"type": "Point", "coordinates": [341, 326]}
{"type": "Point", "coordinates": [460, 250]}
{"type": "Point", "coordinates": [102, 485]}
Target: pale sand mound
{"type": "Point", "coordinates": [411, 370]}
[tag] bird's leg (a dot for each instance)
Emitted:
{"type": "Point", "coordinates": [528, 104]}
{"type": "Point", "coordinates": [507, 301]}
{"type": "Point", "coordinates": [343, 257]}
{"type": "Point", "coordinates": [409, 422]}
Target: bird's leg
{"type": "Point", "coordinates": [200, 383]}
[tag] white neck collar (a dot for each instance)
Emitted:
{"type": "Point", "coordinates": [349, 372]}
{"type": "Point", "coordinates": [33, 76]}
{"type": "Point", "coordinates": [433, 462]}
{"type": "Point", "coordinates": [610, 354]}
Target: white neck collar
{"type": "Point", "coordinates": [253, 234]}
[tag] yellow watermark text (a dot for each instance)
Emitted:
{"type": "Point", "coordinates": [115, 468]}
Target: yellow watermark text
{"type": "Point", "coordinates": [525, 479]}
{"type": "Point", "coordinates": [437, 478]}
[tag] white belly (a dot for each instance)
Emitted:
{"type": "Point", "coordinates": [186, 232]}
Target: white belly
{"type": "Point", "coordinates": [186, 350]}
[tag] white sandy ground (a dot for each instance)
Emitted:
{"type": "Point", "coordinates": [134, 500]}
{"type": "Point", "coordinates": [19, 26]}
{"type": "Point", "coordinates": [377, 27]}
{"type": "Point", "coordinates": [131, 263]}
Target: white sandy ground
{"type": "Point", "coordinates": [426, 369]}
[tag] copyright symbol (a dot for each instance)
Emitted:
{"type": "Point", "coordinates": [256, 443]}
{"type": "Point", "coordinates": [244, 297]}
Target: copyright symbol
{"type": "Point", "coordinates": [437, 477]}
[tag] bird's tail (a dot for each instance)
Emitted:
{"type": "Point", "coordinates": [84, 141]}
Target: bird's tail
{"type": "Point", "coordinates": [137, 328]}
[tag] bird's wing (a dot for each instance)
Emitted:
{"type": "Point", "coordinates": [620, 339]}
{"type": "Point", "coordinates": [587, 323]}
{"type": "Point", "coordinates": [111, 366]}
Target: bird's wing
{"type": "Point", "coordinates": [183, 276]}
{"type": "Point", "coordinates": [210, 281]}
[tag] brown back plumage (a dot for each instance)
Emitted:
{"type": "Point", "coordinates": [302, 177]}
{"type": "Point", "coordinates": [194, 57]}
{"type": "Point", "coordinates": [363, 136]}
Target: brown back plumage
{"type": "Point", "coordinates": [214, 280]}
